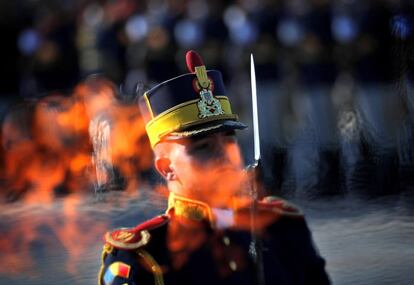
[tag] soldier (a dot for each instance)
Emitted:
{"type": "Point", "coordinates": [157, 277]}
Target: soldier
{"type": "Point", "coordinates": [204, 237]}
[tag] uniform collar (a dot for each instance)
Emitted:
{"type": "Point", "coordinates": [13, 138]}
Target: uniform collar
{"type": "Point", "coordinates": [195, 210]}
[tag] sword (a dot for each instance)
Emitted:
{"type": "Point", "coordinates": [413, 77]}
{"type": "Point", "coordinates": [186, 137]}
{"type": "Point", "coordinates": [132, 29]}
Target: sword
{"type": "Point", "coordinates": [256, 248]}
{"type": "Point", "coordinates": [256, 135]}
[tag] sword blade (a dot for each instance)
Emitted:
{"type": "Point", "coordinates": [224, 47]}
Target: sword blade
{"type": "Point", "coordinates": [256, 135]}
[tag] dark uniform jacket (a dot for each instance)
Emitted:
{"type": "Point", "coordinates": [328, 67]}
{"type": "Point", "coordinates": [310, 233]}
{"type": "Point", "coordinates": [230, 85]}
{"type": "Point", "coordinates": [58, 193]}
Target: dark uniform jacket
{"type": "Point", "coordinates": [193, 244]}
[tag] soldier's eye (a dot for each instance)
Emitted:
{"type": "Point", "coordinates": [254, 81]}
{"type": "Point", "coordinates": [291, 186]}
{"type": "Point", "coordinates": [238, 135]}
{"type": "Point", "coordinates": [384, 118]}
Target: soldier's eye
{"type": "Point", "coordinates": [198, 147]}
{"type": "Point", "coordinates": [230, 137]}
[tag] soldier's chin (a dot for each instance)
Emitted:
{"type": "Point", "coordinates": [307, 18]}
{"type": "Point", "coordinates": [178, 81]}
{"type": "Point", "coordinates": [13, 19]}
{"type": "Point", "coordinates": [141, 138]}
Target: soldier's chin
{"type": "Point", "coordinates": [217, 186]}
{"type": "Point", "coordinates": [220, 197]}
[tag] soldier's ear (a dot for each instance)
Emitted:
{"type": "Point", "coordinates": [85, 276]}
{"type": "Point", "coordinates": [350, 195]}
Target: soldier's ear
{"type": "Point", "coordinates": [163, 166]}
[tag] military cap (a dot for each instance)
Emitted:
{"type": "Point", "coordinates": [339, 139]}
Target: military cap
{"type": "Point", "coordinates": [191, 104]}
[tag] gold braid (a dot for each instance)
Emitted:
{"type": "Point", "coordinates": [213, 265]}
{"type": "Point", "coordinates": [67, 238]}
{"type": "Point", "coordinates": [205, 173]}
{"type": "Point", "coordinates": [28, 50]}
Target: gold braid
{"type": "Point", "coordinates": [107, 249]}
{"type": "Point", "coordinates": [155, 268]}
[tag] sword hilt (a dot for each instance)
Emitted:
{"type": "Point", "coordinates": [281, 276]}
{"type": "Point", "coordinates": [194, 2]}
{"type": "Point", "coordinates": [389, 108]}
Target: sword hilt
{"type": "Point", "coordinates": [255, 174]}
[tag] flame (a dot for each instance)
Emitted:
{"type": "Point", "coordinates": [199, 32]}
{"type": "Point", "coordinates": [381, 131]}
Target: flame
{"type": "Point", "coordinates": [50, 158]}
{"type": "Point", "coordinates": [131, 153]}
{"type": "Point", "coordinates": [59, 143]}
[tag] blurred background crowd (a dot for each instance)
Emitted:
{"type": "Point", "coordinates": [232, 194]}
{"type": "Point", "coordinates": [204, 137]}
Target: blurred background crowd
{"type": "Point", "coordinates": [335, 80]}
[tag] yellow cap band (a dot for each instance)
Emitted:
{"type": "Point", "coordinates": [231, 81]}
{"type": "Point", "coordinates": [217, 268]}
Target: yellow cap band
{"type": "Point", "coordinates": [183, 115]}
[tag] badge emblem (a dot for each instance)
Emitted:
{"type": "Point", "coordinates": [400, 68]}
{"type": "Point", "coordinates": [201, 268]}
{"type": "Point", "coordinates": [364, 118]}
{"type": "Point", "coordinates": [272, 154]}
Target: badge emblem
{"type": "Point", "coordinates": [208, 105]}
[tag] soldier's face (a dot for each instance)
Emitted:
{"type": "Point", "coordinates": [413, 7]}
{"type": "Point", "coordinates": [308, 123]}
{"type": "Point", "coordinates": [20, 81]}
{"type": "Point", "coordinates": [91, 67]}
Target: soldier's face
{"type": "Point", "coordinates": [207, 168]}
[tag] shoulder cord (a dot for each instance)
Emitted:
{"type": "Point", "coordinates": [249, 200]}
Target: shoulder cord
{"type": "Point", "coordinates": [156, 269]}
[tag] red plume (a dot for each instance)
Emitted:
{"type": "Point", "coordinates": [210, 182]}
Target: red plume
{"type": "Point", "coordinates": [193, 59]}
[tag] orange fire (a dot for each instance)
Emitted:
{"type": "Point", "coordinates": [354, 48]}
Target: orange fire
{"type": "Point", "coordinates": [53, 152]}
{"type": "Point", "coordinates": [69, 144]}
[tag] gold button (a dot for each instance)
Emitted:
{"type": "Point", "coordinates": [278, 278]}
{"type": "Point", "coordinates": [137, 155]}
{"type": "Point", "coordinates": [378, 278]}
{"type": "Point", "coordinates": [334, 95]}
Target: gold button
{"type": "Point", "coordinates": [226, 240]}
{"type": "Point", "coordinates": [233, 265]}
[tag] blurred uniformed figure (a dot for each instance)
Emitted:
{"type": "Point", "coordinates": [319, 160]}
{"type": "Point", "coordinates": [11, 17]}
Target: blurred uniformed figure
{"type": "Point", "coordinates": [98, 97]}
{"type": "Point", "coordinates": [377, 102]}
{"type": "Point", "coordinates": [315, 150]}
{"type": "Point", "coordinates": [205, 235]}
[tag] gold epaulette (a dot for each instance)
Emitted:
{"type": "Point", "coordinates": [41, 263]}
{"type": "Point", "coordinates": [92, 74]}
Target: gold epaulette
{"type": "Point", "coordinates": [280, 206]}
{"type": "Point", "coordinates": [126, 238]}
{"type": "Point", "coordinates": [134, 238]}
